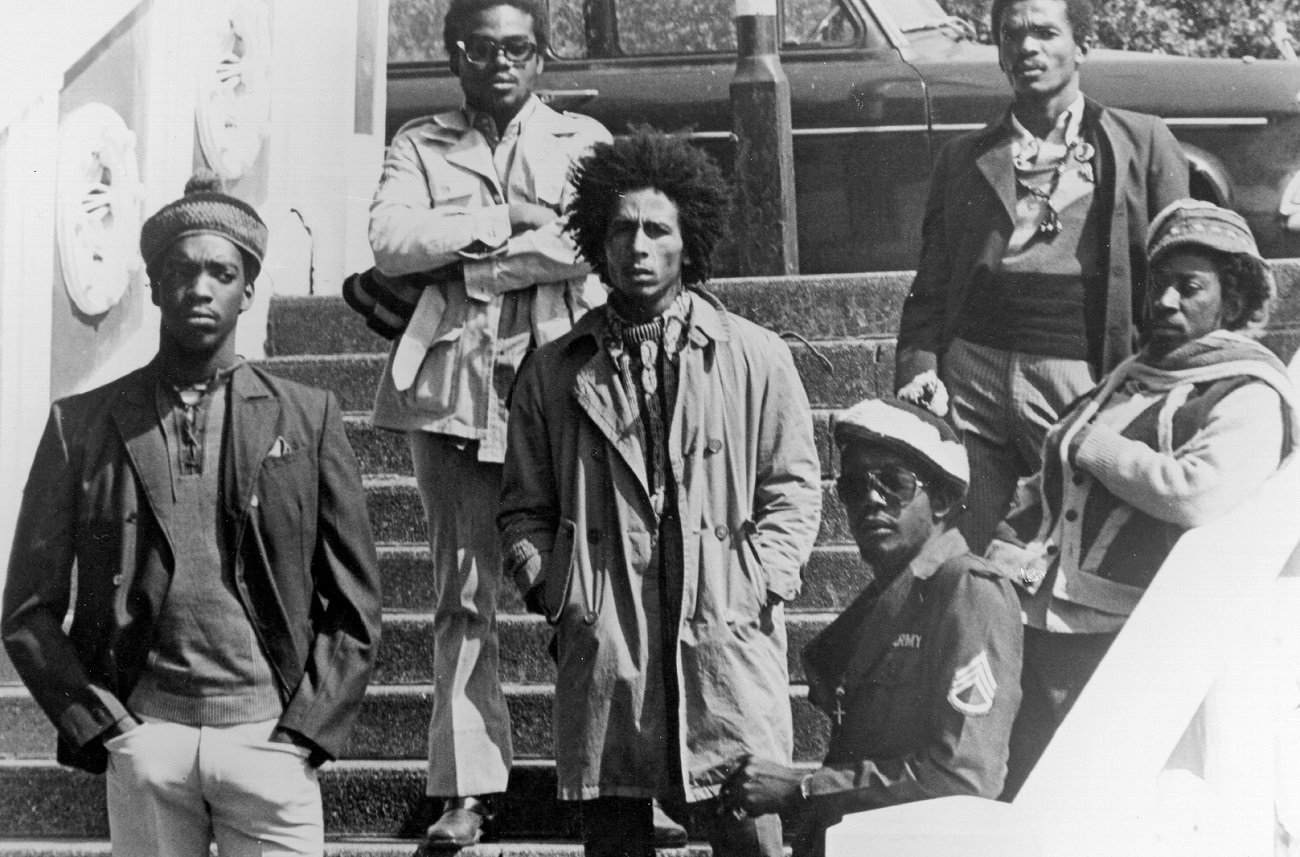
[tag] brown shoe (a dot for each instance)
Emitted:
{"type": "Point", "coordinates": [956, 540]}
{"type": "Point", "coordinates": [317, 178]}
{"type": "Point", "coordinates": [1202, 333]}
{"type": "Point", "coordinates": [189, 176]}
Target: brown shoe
{"type": "Point", "coordinates": [668, 833]}
{"type": "Point", "coordinates": [461, 824]}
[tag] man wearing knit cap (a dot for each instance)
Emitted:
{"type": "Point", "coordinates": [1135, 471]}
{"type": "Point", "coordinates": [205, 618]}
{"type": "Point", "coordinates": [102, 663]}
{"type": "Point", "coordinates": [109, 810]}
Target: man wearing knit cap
{"type": "Point", "coordinates": [227, 593]}
{"type": "Point", "coordinates": [920, 676]}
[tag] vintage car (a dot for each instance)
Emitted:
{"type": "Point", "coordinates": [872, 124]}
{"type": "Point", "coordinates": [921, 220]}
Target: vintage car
{"type": "Point", "coordinates": [877, 86]}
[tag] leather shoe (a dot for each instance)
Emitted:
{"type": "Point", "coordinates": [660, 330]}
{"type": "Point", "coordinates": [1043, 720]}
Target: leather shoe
{"type": "Point", "coordinates": [461, 824]}
{"type": "Point", "coordinates": [668, 833]}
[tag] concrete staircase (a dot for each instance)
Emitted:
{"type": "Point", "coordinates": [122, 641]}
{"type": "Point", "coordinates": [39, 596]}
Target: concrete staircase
{"type": "Point", "coordinates": [374, 797]}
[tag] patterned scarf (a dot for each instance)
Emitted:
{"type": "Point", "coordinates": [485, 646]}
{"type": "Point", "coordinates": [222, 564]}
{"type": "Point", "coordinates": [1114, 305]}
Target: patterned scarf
{"type": "Point", "coordinates": [1215, 356]}
{"type": "Point", "coordinates": [646, 356]}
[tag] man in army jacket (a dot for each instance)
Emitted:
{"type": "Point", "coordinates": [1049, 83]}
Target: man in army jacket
{"type": "Point", "coordinates": [920, 676]}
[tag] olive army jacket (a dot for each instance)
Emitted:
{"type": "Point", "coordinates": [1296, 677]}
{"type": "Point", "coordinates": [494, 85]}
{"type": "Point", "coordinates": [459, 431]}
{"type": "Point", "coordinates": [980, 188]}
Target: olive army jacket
{"type": "Point", "coordinates": [921, 680]}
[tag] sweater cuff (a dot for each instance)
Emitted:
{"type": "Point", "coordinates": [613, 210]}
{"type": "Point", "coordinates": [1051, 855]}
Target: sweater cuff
{"type": "Point", "coordinates": [523, 562]}
{"type": "Point", "coordinates": [1100, 451]}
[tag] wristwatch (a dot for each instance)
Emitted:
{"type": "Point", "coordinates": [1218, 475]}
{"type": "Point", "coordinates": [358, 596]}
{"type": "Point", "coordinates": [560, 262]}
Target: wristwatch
{"type": "Point", "coordinates": [803, 786]}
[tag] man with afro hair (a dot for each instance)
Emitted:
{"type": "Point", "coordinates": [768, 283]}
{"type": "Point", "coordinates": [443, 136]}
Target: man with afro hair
{"type": "Point", "coordinates": [661, 494]}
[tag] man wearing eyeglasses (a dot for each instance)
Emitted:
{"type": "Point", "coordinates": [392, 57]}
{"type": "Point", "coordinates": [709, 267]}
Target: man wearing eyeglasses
{"type": "Point", "coordinates": [920, 676]}
{"type": "Point", "coordinates": [475, 194]}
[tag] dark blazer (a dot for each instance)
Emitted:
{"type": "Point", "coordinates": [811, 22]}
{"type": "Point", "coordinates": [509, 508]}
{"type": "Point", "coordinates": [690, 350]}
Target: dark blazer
{"type": "Point", "coordinates": [294, 519]}
{"type": "Point", "coordinates": [969, 219]}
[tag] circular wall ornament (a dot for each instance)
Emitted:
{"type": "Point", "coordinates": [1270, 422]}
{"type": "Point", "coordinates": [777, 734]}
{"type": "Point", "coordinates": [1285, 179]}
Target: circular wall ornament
{"type": "Point", "coordinates": [97, 214]}
{"type": "Point", "coordinates": [233, 109]}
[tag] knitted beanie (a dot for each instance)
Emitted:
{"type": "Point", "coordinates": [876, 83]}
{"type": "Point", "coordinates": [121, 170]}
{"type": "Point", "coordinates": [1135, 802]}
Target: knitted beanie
{"type": "Point", "coordinates": [1204, 224]}
{"type": "Point", "coordinates": [205, 208]}
{"type": "Point", "coordinates": [908, 430]}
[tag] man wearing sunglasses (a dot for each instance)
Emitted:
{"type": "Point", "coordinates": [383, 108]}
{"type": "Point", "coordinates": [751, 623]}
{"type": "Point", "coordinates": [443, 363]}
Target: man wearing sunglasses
{"type": "Point", "coordinates": [476, 196]}
{"type": "Point", "coordinates": [920, 676]}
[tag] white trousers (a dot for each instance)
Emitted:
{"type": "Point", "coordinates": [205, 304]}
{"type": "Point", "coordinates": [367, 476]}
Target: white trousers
{"type": "Point", "coordinates": [470, 749]}
{"type": "Point", "coordinates": [174, 789]}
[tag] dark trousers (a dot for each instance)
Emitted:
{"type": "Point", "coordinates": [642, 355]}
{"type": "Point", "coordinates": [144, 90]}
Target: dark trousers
{"type": "Point", "coordinates": [1056, 668]}
{"type": "Point", "coordinates": [623, 827]}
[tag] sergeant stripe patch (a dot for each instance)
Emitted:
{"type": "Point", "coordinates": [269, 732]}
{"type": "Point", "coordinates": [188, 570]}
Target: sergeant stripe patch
{"type": "Point", "coordinates": [973, 686]}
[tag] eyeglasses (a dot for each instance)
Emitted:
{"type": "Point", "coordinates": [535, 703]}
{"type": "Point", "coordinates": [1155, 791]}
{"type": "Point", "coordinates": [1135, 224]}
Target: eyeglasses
{"type": "Point", "coordinates": [482, 51]}
{"type": "Point", "coordinates": [895, 484]}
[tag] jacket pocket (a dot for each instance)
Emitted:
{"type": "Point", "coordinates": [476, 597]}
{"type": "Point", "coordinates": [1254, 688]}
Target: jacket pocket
{"type": "Point", "coordinates": [434, 392]}
{"type": "Point", "coordinates": [454, 187]}
{"type": "Point", "coordinates": [751, 562]}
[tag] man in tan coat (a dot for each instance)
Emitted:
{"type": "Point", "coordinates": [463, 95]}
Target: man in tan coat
{"type": "Point", "coordinates": [661, 494]}
{"type": "Point", "coordinates": [476, 195]}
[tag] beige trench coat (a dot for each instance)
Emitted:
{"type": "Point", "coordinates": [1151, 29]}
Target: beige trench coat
{"type": "Point", "coordinates": [577, 524]}
{"type": "Point", "coordinates": [439, 195]}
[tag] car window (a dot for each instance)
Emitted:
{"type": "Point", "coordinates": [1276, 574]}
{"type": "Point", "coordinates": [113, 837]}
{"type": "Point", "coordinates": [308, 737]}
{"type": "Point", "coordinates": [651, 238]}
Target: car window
{"type": "Point", "coordinates": [415, 30]}
{"type": "Point", "coordinates": [817, 23]}
{"type": "Point", "coordinates": [913, 15]}
{"type": "Point", "coordinates": [642, 29]}
{"type": "Point", "coordinates": [676, 26]}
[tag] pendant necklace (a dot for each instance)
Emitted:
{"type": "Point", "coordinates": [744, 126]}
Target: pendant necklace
{"type": "Point", "coordinates": [1050, 224]}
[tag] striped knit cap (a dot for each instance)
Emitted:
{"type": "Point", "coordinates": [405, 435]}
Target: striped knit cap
{"type": "Point", "coordinates": [205, 208]}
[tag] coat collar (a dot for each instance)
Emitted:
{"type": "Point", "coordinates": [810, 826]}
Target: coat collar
{"type": "Point", "coordinates": [710, 322]}
{"type": "Point", "coordinates": [937, 551]}
{"type": "Point", "coordinates": [994, 141]}
{"type": "Point", "coordinates": [602, 397]}
{"type": "Point", "coordinates": [250, 431]}
{"type": "Point", "coordinates": [466, 148]}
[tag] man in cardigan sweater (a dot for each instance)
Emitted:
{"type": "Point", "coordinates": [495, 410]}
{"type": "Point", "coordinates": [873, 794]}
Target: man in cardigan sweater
{"type": "Point", "coordinates": [1031, 272]}
{"type": "Point", "coordinates": [1172, 439]}
{"type": "Point", "coordinates": [227, 593]}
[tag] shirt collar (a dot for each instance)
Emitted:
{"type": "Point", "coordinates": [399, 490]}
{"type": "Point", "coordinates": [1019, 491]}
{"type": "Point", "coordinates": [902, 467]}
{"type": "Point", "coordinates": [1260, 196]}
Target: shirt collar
{"type": "Point", "coordinates": [1069, 123]}
{"type": "Point", "coordinates": [477, 118]}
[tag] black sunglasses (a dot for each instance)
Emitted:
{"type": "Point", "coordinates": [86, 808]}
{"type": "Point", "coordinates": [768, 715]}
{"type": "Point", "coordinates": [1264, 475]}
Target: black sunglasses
{"type": "Point", "coordinates": [482, 51]}
{"type": "Point", "coordinates": [895, 484]}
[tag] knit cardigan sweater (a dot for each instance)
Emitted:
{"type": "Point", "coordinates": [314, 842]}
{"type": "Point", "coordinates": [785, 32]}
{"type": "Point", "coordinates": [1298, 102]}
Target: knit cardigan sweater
{"type": "Point", "coordinates": [1116, 493]}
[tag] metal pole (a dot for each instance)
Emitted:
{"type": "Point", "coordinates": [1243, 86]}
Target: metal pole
{"type": "Point", "coordinates": [766, 225]}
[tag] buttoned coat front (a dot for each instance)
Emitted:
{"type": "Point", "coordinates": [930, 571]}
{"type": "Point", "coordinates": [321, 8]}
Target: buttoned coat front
{"type": "Point", "coordinates": [969, 219]}
{"type": "Point", "coordinates": [440, 197]}
{"type": "Point", "coordinates": [293, 517]}
{"type": "Point", "coordinates": [581, 538]}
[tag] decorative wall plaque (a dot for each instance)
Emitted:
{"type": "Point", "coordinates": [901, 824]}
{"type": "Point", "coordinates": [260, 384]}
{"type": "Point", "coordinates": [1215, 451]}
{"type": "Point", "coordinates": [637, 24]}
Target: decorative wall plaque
{"type": "Point", "coordinates": [233, 109]}
{"type": "Point", "coordinates": [97, 214]}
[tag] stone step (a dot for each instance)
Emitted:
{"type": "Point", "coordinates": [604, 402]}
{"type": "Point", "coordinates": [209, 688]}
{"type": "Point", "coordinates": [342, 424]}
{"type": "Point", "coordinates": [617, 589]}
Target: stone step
{"type": "Point", "coordinates": [822, 307]}
{"type": "Point", "coordinates": [394, 721]}
{"type": "Point", "coordinates": [370, 799]}
{"type": "Point", "coordinates": [382, 452]}
{"type": "Point", "coordinates": [406, 653]}
{"type": "Point", "coordinates": [358, 847]}
{"type": "Point", "coordinates": [379, 847]}
{"type": "Point", "coordinates": [857, 369]}
{"type": "Point", "coordinates": [832, 579]}
{"type": "Point", "coordinates": [398, 518]}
